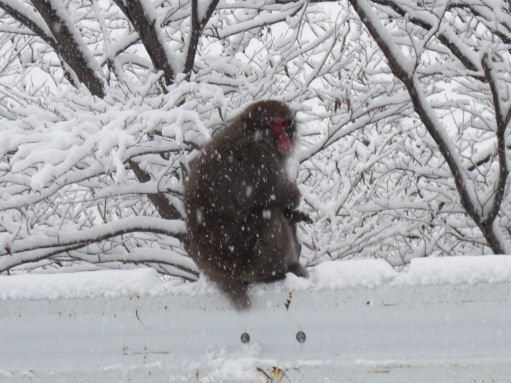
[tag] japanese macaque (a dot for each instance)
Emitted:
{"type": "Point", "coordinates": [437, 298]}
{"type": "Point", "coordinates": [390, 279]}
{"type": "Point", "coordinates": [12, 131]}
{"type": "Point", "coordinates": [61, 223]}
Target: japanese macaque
{"type": "Point", "coordinates": [240, 204]}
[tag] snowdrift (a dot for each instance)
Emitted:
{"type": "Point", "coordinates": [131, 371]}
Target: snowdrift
{"type": "Point", "coordinates": [442, 320]}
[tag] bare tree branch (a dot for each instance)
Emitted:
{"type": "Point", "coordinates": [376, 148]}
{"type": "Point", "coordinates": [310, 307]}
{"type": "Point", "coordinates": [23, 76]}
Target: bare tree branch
{"type": "Point", "coordinates": [450, 40]}
{"type": "Point", "coordinates": [149, 33]}
{"type": "Point", "coordinates": [76, 176]}
{"type": "Point", "coordinates": [63, 41]}
{"type": "Point", "coordinates": [160, 202]}
{"type": "Point", "coordinates": [98, 234]}
{"type": "Point", "coordinates": [402, 69]}
{"type": "Point", "coordinates": [27, 19]}
{"type": "Point", "coordinates": [500, 117]}
{"type": "Point", "coordinates": [197, 25]}
{"type": "Point", "coordinates": [68, 47]}
{"type": "Point", "coordinates": [8, 262]}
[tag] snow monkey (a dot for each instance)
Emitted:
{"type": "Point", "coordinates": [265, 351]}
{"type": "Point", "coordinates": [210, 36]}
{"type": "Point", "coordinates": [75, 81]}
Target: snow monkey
{"type": "Point", "coordinates": [240, 205]}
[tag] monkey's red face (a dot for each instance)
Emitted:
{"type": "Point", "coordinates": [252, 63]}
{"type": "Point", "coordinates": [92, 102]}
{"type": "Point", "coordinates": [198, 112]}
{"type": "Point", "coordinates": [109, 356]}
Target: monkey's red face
{"type": "Point", "coordinates": [281, 130]}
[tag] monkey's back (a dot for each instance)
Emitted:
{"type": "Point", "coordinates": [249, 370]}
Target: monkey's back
{"type": "Point", "coordinates": [229, 186]}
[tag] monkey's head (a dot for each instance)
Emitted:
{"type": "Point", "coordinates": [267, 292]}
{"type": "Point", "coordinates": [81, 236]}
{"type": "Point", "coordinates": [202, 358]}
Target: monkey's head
{"type": "Point", "coordinates": [273, 121]}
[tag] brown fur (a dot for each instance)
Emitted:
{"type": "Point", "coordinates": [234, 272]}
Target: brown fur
{"type": "Point", "coordinates": [240, 205]}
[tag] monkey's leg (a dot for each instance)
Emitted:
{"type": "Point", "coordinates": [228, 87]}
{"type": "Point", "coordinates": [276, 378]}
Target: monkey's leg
{"type": "Point", "coordinates": [277, 250]}
{"type": "Point", "coordinates": [235, 290]}
{"type": "Point", "coordinates": [294, 265]}
{"type": "Point", "coordinates": [297, 269]}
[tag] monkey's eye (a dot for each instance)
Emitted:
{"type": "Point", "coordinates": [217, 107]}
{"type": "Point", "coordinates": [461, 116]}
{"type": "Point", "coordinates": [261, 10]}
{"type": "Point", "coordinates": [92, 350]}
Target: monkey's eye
{"type": "Point", "coordinates": [278, 124]}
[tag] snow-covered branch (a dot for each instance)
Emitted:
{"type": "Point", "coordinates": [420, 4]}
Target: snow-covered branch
{"type": "Point", "coordinates": [70, 45]}
{"type": "Point", "coordinates": [502, 119]}
{"type": "Point", "coordinates": [378, 179]}
{"type": "Point", "coordinates": [142, 16]}
{"type": "Point", "coordinates": [27, 17]}
{"type": "Point", "coordinates": [96, 234]}
{"type": "Point", "coordinates": [404, 69]}
{"type": "Point", "coordinates": [445, 35]}
{"type": "Point", "coordinates": [199, 18]}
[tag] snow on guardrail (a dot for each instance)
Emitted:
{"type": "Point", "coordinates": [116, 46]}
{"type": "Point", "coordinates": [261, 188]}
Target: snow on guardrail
{"type": "Point", "coordinates": [443, 320]}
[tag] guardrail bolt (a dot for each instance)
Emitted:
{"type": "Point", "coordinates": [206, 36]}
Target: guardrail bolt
{"type": "Point", "coordinates": [300, 337]}
{"type": "Point", "coordinates": [245, 338]}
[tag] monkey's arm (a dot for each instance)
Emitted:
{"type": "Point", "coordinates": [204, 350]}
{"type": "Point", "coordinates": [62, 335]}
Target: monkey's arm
{"type": "Point", "coordinates": [295, 216]}
{"type": "Point", "coordinates": [258, 192]}
{"type": "Point", "coordinates": [257, 181]}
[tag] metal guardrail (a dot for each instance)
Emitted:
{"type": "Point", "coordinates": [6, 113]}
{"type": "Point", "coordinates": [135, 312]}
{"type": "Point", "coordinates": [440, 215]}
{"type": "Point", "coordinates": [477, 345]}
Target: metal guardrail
{"type": "Point", "coordinates": [390, 332]}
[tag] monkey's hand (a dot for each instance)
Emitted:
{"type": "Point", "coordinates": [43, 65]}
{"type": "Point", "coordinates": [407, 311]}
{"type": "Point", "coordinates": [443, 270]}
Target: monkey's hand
{"type": "Point", "coordinates": [295, 216]}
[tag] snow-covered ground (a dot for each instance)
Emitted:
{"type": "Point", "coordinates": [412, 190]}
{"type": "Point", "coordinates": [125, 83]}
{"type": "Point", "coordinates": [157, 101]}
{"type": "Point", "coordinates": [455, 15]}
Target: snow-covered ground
{"type": "Point", "coordinates": [442, 320]}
